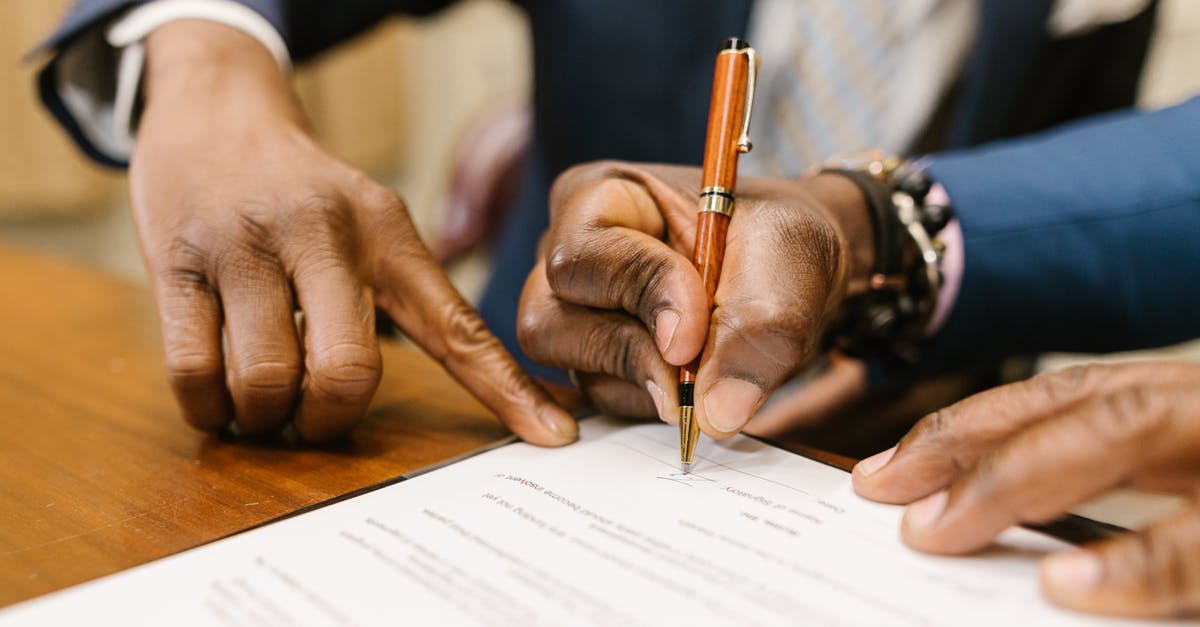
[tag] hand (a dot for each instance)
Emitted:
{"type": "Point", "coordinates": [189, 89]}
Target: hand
{"type": "Point", "coordinates": [488, 164]}
{"type": "Point", "coordinates": [833, 409]}
{"type": "Point", "coordinates": [1029, 451]}
{"type": "Point", "coordinates": [244, 220]}
{"type": "Point", "coordinates": [615, 297]}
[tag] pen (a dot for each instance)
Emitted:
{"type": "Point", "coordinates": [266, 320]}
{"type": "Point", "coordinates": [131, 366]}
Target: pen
{"type": "Point", "coordinates": [726, 138]}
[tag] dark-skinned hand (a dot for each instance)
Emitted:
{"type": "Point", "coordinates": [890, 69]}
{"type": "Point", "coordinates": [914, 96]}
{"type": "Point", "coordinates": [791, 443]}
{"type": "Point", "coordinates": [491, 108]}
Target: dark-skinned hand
{"type": "Point", "coordinates": [615, 297]}
{"type": "Point", "coordinates": [244, 220]}
{"type": "Point", "coordinates": [1030, 451]}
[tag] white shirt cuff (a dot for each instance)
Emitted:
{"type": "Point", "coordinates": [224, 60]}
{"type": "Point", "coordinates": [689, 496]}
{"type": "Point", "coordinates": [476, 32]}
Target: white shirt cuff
{"type": "Point", "coordinates": [86, 85]}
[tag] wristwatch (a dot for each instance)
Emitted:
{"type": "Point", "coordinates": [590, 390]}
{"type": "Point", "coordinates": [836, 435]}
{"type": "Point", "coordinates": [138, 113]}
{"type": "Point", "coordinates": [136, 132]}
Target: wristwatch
{"type": "Point", "coordinates": [890, 317]}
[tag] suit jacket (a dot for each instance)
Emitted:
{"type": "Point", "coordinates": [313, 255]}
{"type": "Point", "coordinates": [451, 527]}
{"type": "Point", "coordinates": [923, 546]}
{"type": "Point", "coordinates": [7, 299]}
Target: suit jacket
{"type": "Point", "coordinates": [1081, 239]}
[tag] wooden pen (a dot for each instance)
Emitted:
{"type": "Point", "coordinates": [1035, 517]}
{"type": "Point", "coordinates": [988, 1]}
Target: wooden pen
{"type": "Point", "coordinates": [727, 137]}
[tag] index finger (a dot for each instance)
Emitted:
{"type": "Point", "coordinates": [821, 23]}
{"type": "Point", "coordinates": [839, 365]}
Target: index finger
{"type": "Point", "coordinates": [951, 441]}
{"type": "Point", "coordinates": [605, 250]}
{"type": "Point", "coordinates": [190, 317]}
{"type": "Point", "coordinates": [1044, 470]}
{"type": "Point", "coordinates": [415, 292]}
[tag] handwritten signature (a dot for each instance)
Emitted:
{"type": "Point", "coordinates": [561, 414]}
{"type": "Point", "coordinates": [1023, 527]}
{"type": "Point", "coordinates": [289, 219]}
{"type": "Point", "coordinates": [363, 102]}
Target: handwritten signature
{"type": "Point", "coordinates": [688, 479]}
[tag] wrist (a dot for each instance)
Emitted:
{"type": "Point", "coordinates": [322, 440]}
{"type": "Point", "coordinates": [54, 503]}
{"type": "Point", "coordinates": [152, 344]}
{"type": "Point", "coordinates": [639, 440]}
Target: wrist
{"type": "Point", "coordinates": [892, 315]}
{"type": "Point", "coordinates": [192, 61]}
{"type": "Point", "coordinates": [849, 211]}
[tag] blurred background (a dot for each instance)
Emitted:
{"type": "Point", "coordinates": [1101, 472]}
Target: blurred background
{"type": "Point", "coordinates": [53, 199]}
{"type": "Point", "coordinates": [424, 143]}
{"type": "Point", "coordinates": [358, 99]}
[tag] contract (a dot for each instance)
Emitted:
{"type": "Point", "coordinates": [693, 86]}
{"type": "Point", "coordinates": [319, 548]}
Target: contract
{"type": "Point", "coordinates": [603, 532]}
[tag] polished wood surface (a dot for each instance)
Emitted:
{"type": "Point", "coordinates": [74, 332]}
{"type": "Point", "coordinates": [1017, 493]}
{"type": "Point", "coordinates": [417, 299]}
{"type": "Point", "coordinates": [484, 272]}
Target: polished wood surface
{"type": "Point", "coordinates": [99, 473]}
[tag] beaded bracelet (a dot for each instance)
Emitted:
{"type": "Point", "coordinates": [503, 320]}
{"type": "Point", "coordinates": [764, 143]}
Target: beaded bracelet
{"type": "Point", "coordinates": [890, 317]}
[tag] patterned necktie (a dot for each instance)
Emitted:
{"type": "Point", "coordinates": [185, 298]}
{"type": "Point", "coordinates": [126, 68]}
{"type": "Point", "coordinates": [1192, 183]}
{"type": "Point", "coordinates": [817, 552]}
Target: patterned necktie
{"type": "Point", "coordinates": [824, 86]}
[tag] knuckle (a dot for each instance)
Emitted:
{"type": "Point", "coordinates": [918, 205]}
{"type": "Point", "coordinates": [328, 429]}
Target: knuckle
{"type": "Point", "coordinates": [466, 334]}
{"type": "Point", "coordinates": [358, 180]}
{"type": "Point", "coordinates": [315, 207]}
{"type": "Point", "coordinates": [321, 258]}
{"type": "Point", "coordinates": [383, 200]}
{"type": "Point", "coordinates": [561, 267]}
{"type": "Point", "coordinates": [320, 218]}
{"type": "Point", "coordinates": [345, 372]}
{"type": "Point", "coordinates": [1058, 387]}
{"type": "Point", "coordinates": [468, 342]}
{"type": "Point", "coordinates": [616, 351]}
{"type": "Point", "coordinates": [937, 424]}
{"type": "Point", "coordinates": [267, 378]}
{"type": "Point", "coordinates": [936, 431]}
{"type": "Point", "coordinates": [1131, 413]}
{"type": "Point", "coordinates": [191, 369]}
{"type": "Point", "coordinates": [512, 384]}
{"type": "Point", "coordinates": [1165, 578]}
{"type": "Point", "coordinates": [255, 227]}
{"type": "Point", "coordinates": [392, 233]}
{"type": "Point", "coordinates": [185, 264]}
{"type": "Point", "coordinates": [534, 332]}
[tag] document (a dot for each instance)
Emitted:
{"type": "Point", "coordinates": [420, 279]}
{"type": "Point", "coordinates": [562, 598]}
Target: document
{"type": "Point", "coordinates": [602, 532]}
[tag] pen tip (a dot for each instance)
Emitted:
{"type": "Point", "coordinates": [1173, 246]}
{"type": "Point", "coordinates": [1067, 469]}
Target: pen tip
{"type": "Point", "coordinates": [685, 467]}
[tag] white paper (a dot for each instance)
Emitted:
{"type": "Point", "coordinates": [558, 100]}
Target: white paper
{"type": "Point", "coordinates": [601, 532]}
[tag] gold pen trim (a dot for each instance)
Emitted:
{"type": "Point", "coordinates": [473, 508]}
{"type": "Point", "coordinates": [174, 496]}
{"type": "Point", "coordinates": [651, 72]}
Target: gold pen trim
{"type": "Point", "coordinates": [689, 432]}
{"type": "Point", "coordinates": [744, 144]}
{"type": "Point", "coordinates": [717, 204]}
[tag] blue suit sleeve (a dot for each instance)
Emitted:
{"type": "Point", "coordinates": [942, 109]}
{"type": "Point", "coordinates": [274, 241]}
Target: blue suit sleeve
{"type": "Point", "coordinates": [311, 26]}
{"type": "Point", "coordinates": [308, 26]}
{"type": "Point", "coordinates": [1086, 238]}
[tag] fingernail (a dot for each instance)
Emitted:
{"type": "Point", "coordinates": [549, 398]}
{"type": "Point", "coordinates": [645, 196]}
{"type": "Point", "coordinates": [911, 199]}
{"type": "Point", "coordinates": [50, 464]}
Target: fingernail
{"type": "Point", "coordinates": [665, 325]}
{"type": "Point", "coordinates": [868, 466]}
{"type": "Point", "coordinates": [559, 423]}
{"type": "Point", "coordinates": [729, 403]}
{"type": "Point", "coordinates": [925, 512]}
{"type": "Point", "coordinates": [660, 399]}
{"type": "Point", "coordinates": [1072, 572]}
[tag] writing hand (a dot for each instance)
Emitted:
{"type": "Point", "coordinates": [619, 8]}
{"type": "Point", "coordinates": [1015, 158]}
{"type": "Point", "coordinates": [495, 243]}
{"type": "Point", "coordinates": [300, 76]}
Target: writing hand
{"type": "Point", "coordinates": [243, 220]}
{"type": "Point", "coordinates": [615, 297]}
{"type": "Point", "coordinates": [1029, 451]}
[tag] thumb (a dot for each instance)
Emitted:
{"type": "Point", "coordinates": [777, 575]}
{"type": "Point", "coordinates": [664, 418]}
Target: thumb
{"type": "Point", "coordinates": [783, 268]}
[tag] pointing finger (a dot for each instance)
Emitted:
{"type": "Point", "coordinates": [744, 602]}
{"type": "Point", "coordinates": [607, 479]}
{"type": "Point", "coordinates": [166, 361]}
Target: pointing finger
{"type": "Point", "coordinates": [415, 292]}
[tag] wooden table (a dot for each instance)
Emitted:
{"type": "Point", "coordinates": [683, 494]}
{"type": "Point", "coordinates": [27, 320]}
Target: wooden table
{"type": "Point", "coordinates": [99, 473]}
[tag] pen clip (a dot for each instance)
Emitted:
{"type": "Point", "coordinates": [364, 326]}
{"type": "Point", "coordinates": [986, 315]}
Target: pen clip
{"type": "Point", "coordinates": [744, 144]}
